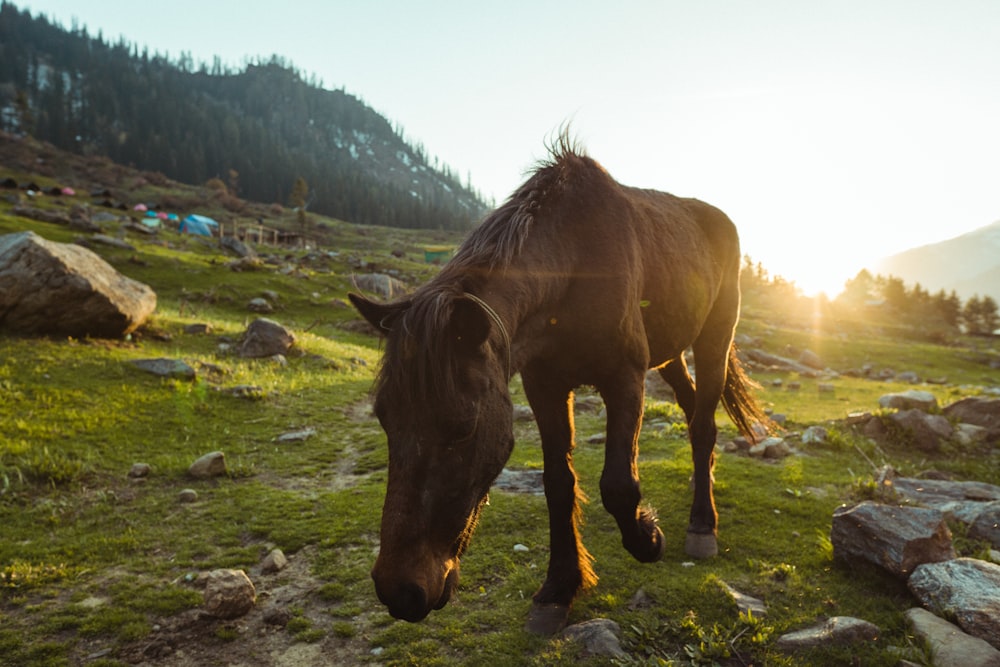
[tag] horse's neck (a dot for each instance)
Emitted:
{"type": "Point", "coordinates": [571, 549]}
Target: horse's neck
{"type": "Point", "coordinates": [517, 297]}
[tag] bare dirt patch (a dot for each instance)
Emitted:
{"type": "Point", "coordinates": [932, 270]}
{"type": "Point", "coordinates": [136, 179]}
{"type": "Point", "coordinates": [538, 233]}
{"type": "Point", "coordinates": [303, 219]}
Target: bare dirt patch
{"type": "Point", "coordinates": [289, 625]}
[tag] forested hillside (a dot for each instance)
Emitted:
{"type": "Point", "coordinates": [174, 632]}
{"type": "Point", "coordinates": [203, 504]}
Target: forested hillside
{"type": "Point", "coordinates": [259, 129]}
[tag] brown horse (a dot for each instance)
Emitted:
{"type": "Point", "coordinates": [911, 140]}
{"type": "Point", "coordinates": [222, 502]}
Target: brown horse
{"type": "Point", "coordinates": [575, 280]}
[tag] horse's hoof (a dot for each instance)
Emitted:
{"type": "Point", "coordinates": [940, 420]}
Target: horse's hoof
{"type": "Point", "coordinates": [701, 545]}
{"type": "Point", "coordinates": [547, 619]}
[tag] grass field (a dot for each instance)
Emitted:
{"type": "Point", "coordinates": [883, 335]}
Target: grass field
{"type": "Point", "coordinates": [94, 564]}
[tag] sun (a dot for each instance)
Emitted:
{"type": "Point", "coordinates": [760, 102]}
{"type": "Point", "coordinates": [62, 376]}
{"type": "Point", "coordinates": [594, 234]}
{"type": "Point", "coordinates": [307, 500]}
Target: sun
{"type": "Point", "coordinates": [812, 285]}
{"type": "Point", "coordinates": [814, 273]}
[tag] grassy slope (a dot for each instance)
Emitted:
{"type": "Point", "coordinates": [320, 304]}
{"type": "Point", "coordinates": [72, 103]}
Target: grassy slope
{"type": "Point", "coordinates": [74, 415]}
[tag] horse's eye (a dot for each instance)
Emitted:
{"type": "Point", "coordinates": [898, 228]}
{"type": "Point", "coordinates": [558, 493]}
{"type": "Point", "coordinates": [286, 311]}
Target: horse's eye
{"type": "Point", "coordinates": [459, 430]}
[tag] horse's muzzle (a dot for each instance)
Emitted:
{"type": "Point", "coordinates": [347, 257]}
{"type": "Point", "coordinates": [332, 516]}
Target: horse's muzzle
{"type": "Point", "coordinates": [412, 601]}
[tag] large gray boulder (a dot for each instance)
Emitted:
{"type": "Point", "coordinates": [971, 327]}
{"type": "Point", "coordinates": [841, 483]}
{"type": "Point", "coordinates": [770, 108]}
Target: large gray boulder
{"type": "Point", "coordinates": [897, 539]}
{"type": "Point", "coordinates": [967, 590]}
{"type": "Point", "coordinates": [61, 289]}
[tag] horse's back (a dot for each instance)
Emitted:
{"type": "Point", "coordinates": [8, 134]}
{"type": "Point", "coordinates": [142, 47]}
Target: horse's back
{"type": "Point", "coordinates": [684, 225]}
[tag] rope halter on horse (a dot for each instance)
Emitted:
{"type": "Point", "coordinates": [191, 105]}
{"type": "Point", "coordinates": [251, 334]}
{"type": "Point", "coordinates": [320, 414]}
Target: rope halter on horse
{"type": "Point", "coordinates": [492, 314]}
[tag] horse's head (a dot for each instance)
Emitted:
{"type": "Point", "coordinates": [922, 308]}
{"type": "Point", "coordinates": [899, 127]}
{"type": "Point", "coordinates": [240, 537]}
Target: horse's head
{"type": "Point", "coordinates": [443, 401]}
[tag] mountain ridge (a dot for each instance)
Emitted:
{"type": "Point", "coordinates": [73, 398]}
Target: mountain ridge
{"type": "Point", "coordinates": [969, 264]}
{"type": "Point", "coordinates": [259, 128]}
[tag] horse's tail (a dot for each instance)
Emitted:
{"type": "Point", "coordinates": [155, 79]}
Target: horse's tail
{"type": "Point", "coordinates": [740, 403]}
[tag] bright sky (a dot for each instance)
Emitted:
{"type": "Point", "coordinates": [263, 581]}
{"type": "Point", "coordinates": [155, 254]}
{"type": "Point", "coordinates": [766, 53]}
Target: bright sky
{"type": "Point", "coordinates": [832, 132]}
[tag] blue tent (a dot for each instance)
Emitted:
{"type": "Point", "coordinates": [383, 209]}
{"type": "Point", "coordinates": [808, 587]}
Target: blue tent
{"type": "Point", "coordinates": [198, 224]}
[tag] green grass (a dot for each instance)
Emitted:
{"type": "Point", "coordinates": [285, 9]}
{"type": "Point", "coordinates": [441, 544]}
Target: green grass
{"type": "Point", "coordinates": [90, 556]}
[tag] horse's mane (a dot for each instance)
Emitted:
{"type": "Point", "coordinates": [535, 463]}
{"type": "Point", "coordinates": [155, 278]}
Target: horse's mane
{"type": "Point", "coordinates": [418, 360]}
{"type": "Point", "coordinates": [500, 237]}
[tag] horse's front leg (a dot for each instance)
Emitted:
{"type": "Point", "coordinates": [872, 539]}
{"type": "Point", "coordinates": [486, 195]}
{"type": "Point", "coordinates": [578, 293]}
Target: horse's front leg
{"type": "Point", "coordinates": [569, 562]}
{"type": "Point", "coordinates": [620, 491]}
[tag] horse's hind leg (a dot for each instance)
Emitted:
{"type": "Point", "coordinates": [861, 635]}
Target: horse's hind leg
{"type": "Point", "coordinates": [711, 352]}
{"type": "Point", "coordinates": [675, 373]}
{"type": "Point", "coordinates": [569, 563]}
{"type": "Point", "coordinates": [623, 398]}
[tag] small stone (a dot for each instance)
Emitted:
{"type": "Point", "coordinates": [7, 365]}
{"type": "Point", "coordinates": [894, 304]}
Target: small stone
{"type": "Point", "coordinates": [252, 391]}
{"type": "Point", "coordinates": [297, 436]}
{"type": "Point", "coordinates": [229, 593]}
{"type": "Point", "coordinates": [744, 603]}
{"type": "Point", "coordinates": [811, 359]}
{"type": "Point", "coordinates": [259, 305]}
{"type": "Point", "coordinates": [739, 444]}
{"type": "Point", "coordinates": [265, 338]}
{"type": "Point", "coordinates": [776, 448]}
{"type": "Point", "coordinates": [139, 470]}
{"type": "Point", "coordinates": [522, 413]}
{"type": "Point", "coordinates": [520, 481]}
{"type": "Point", "coordinates": [275, 561]}
{"type": "Point", "coordinates": [826, 388]}
{"type": "Point", "coordinates": [520, 548]}
{"type": "Point", "coordinates": [641, 600]}
{"type": "Point", "coordinates": [187, 496]}
{"type": "Point", "coordinates": [168, 368]}
{"type": "Point", "coordinates": [837, 630]}
{"type": "Point", "coordinates": [815, 435]}
{"type": "Point", "coordinates": [210, 465]}
{"type": "Point", "coordinates": [598, 637]}
{"type": "Point", "coordinates": [275, 615]}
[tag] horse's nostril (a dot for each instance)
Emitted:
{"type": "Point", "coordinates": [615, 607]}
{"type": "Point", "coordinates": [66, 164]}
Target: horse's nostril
{"type": "Point", "coordinates": [409, 603]}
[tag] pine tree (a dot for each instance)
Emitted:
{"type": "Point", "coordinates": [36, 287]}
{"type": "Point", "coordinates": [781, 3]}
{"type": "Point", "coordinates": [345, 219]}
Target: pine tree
{"type": "Point", "coordinates": [299, 193]}
{"type": "Point", "coordinates": [980, 315]}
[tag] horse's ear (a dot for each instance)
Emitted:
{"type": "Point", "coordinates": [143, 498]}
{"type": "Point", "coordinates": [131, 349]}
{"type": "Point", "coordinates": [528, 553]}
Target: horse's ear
{"type": "Point", "coordinates": [379, 315]}
{"type": "Point", "coordinates": [470, 324]}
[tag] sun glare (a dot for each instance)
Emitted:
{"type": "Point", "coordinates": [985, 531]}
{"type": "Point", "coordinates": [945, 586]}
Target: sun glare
{"type": "Point", "coordinates": [814, 274]}
{"type": "Point", "coordinates": [819, 283]}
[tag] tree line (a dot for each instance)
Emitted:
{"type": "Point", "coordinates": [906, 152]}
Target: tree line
{"type": "Point", "coordinates": [978, 315]}
{"type": "Point", "coordinates": [877, 297]}
{"type": "Point", "coordinates": [264, 122]}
